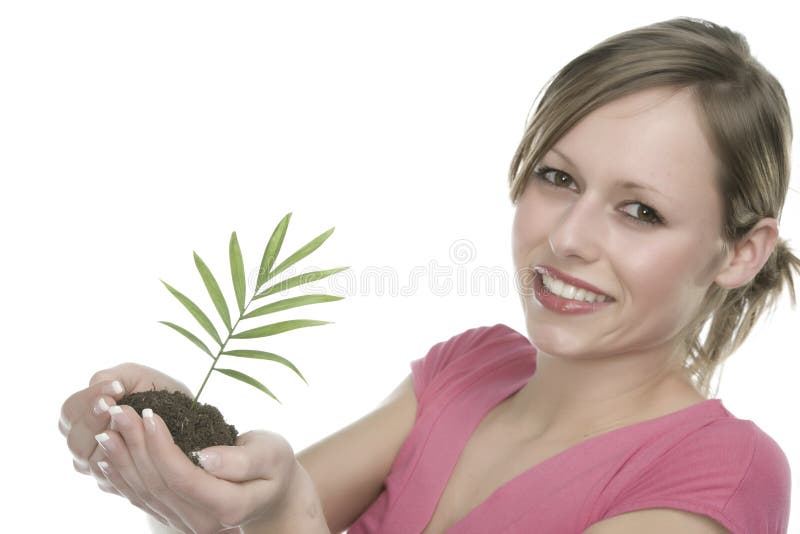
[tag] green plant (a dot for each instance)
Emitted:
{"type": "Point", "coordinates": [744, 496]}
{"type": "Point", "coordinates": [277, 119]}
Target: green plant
{"type": "Point", "coordinates": [266, 272]}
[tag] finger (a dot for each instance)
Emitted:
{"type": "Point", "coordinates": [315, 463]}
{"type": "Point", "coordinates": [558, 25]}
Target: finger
{"type": "Point", "coordinates": [80, 439]}
{"type": "Point", "coordinates": [257, 455]}
{"type": "Point", "coordinates": [112, 482]}
{"type": "Point", "coordinates": [126, 477]}
{"type": "Point", "coordinates": [95, 419]}
{"type": "Point", "coordinates": [84, 414]}
{"type": "Point", "coordinates": [81, 467]}
{"type": "Point", "coordinates": [116, 455]}
{"type": "Point", "coordinates": [102, 403]}
{"type": "Point", "coordinates": [74, 407]}
{"type": "Point", "coordinates": [113, 380]}
{"type": "Point", "coordinates": [64, 425]}
{"type": "Point", "coordinates": [95, 459]}
{"type": "Point", "coordinates": [110, 441]}
{"type": "Point", "coordinates": [100, 468]}
{"type": "Point", "coordinates": [151, 486]}
{"type": "Point", "coordinates": [105, 483]}
{"type": "Point", "coordinates": [222, 499]}
{"type": "Point", "coordinates": [120, 487]}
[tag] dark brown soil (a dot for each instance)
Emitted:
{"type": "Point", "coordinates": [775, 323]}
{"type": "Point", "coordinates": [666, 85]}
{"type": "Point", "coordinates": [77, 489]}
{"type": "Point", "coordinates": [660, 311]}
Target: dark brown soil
{"type": "Point", "coordinates": [192, 430]}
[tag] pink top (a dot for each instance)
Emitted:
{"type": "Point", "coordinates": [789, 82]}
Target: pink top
{"type": "Point", "coordinates": [701, 459]}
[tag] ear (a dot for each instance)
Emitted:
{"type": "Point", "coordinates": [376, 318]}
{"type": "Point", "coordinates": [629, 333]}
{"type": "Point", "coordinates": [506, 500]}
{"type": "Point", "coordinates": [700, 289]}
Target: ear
{"type": "Point", "coordinates": [749, 254]}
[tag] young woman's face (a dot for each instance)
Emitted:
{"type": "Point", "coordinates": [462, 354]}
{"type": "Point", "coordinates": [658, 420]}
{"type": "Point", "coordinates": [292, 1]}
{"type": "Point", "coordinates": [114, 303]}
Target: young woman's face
{"type": "Point", "coordinates": [652, 247]}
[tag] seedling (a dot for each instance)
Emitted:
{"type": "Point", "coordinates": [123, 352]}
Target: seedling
{"type": "Point", "coordinates": [182, 414]}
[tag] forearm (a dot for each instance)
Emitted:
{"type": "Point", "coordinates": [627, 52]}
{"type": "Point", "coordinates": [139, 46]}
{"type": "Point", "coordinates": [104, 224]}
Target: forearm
{"type": "Point", "coordinates": [301, 513]}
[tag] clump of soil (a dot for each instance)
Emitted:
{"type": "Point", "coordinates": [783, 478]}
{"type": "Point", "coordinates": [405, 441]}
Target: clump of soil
{"type": "Point", "coordinates": [192, 429]}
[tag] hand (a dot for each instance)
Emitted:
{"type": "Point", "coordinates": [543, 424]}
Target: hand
{"type": "Point", "coordinates": [246, 484]}
{"type": "Point", "coordinates": [85, 414]}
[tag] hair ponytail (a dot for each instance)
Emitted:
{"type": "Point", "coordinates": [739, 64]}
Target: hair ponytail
{"type": "Point", "coordinates": [734, 312]}
{"type": "Point", "coordinates": [785, 261]}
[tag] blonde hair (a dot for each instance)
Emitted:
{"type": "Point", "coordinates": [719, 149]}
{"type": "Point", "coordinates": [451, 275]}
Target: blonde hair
{"type": "Point", "coordinates": [748, 124]}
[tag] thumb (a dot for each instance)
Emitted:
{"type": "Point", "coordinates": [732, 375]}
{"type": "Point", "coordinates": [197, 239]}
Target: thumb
{"type": "Point", "coordinates": [259, 454]}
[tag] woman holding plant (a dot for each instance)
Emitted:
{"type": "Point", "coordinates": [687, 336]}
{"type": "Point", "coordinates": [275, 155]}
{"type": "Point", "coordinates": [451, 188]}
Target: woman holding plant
{"type": "Point", "coordinates": [648, 187]}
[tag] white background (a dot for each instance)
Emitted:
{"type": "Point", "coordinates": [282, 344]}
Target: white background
{"type": "Point", "coordinates": [132, 133]}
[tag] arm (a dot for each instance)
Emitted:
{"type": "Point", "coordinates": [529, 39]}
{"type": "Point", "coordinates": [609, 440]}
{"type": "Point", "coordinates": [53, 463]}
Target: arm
{"type": "Point", "coordinates": [657, 521]}
{"type": "Point", "coordinates": [334, 481]}
{"type": "Point", "coordinates": [347, 480]}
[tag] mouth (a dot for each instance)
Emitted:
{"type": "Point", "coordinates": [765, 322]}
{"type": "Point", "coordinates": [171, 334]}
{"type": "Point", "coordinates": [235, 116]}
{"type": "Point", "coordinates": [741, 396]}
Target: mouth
{"type": "Point", "coordinates": [570, 288]}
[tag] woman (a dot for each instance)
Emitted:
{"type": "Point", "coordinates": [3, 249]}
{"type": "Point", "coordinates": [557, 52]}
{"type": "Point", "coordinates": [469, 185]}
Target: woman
{"type": "Point", "coordinates": [648, 188]}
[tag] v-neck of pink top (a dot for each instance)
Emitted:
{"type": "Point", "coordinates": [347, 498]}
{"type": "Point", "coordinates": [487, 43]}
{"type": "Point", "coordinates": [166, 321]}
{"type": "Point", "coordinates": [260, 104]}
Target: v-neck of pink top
{"type": "Point", "coordinates": [462, 379]}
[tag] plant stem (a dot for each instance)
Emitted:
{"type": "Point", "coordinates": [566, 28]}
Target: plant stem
{"type": "Point", "coordinates": [222, 348]}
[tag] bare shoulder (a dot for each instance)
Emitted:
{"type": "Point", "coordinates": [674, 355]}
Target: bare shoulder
{"type": "Point", "coordinates": [657, 521]}
{"type": "Point", "coordinates": [349, 467]}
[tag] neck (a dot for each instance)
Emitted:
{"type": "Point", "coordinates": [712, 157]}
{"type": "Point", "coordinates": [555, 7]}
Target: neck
{"type": "Point", "coordinates": [580, 396]}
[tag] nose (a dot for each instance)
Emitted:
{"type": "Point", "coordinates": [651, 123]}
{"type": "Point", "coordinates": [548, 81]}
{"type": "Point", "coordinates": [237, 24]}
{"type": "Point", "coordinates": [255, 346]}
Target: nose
{"type": "Point", "coordinates": [579, 231]}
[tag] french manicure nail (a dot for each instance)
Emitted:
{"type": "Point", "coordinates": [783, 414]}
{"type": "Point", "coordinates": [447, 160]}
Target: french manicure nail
{"type": "Point", "coordinates": [114, 388]}
{"type": "Point", "coordinates": [101, 406]}
{"type": "Point", "coordinates": [116, 416]}
{"type": "Point", "coordinates": [104, 468]}
{"type": "Point", "coordinates": [102, 440]}
{"type": "Point", "coordinates": [149, 422]}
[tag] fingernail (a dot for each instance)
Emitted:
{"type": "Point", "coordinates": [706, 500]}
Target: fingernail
{"type": "Point", "coordinates": [114, 388]}
{"type": "Point", "coordinates": [210, 460]}
{"type": "Point", "coordinates": [101, 406]}
{"type": "Point", "coordinates": [149, 422]}
{"type": "Point", "coordinates": [104, 468]}
{"type": "Point", "coordinates": [116, 416]}
{"type": "Point", "coordinates": [102, 440]}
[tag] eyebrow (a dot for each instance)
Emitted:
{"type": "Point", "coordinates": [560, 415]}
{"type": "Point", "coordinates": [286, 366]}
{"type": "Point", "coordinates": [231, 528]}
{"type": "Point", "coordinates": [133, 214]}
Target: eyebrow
{"type": "Point", "coordinates": [625, 184]}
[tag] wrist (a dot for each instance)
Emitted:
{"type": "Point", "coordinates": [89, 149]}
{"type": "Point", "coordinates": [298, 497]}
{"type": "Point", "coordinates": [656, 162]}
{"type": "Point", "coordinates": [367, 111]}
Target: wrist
{"type": "Point", "coordinates": [300, 513]}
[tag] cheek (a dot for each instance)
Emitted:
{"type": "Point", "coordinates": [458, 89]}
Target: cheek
{"type": "Point", "coordinates": [532, 221]}
{"type": "Point", "coordinates": [665, 278]}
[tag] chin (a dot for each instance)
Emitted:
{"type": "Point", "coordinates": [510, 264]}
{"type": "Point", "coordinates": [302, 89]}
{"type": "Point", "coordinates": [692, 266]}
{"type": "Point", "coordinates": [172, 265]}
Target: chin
{"type": "Point", "coordinates": [556, 341]}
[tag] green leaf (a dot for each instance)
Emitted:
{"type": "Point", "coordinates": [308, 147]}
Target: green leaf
{"type": "Point", "coordinates": [304, 251]}
{"type": "Point", "coordinates": [286, 304]}
{"type": "Point", "coordinates": [237, 271]}
{"type": "Point", "coordinates": [191, 337]}
{"type": "Point", "coordinates": [272, 250]}
{"type": "Point", "coordinates": [277, 328]}
{"type": "Point", "coordinates": [265, 356]}
{"type": "Point", "coordinates": [300, 279]}
{"type": "Point", "coordinates": [213, 290]}
{"type": "Point", "coordinates": [195, 311]}
{"type": "Point", "coordinates": [248, 380]}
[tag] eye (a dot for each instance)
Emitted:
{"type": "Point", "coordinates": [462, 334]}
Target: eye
{"type": "Point", "coordinates": [553, 177]}
{"type": "Point", "coordinates": [643, 214]}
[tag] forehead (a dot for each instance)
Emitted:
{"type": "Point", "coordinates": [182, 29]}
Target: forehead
{"type": "Point", "coordinates": [654, 137]}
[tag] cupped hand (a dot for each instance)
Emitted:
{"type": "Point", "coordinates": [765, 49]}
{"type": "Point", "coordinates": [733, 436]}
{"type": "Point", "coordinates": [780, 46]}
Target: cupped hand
{"type": "Point", "coordinates": [242, 484]}
{"type": "Point", "coordinates": [85, 414]}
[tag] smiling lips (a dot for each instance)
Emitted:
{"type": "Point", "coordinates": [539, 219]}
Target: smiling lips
{"type": "Point", "coordinates": [562, 293]}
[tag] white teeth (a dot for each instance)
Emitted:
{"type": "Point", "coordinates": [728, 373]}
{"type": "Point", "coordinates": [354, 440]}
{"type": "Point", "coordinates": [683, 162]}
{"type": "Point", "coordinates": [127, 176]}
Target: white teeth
{"type": "Point", "coordinates": [556, 285]}
{"type": "Point", "coordinates": [567, 291]}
